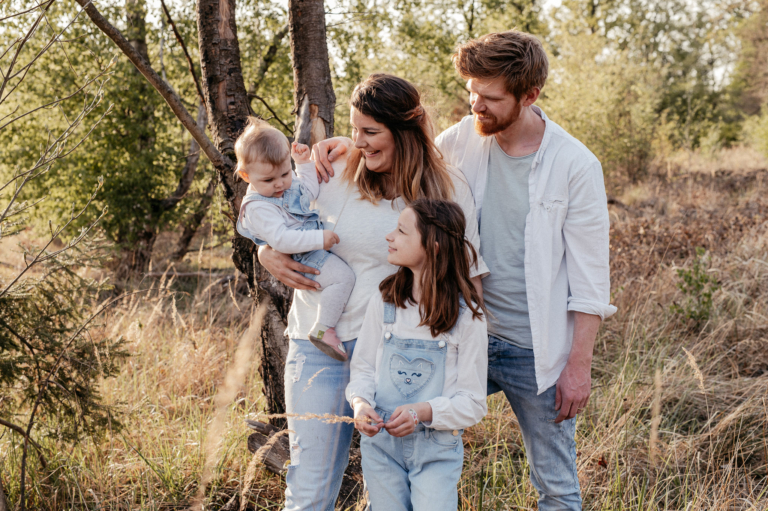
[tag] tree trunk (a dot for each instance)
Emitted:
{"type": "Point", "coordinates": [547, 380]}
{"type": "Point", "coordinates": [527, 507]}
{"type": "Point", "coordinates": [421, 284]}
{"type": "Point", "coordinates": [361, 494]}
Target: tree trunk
{"type": "Point", "coordinates": [228, 109]}
{"type": "Point", "coordinates": [135, 257]}
{"type": "Point", "coordinates": [227, 106]}
{"type": "Point", "coordinates": [313, 94]}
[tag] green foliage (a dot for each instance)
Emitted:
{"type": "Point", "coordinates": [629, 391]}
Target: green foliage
{"type": "Point", "coordinates": [50, 364]}
{"type": "Point", "coordinates": [607, 101]}
{"type": "Point", "coordinates": [46, 352]}
{"type": "Point", "coordinates": [697, 286]}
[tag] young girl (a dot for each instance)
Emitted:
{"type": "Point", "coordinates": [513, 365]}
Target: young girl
{"type": "Point", "coordinates": [418, 373]}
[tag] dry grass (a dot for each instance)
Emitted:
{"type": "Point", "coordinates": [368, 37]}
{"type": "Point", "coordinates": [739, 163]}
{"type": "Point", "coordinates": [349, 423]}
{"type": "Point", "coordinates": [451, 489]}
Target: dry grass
{"type": "Point", "coordinates": [701, 395]}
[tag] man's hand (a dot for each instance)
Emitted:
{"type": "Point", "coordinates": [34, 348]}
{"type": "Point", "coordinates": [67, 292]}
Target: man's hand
{"type": "Point", "coordinates": [327, 151]}
{"type": "Point", "coordinates": [369, 423]}
{"type": "Point", "coordinates": [575, 383]}
{"type": "Point", "coordinates": [330, 238]}
{"type": "Point", "coordinates": [573, 389]}
{"type": "Point", "coordinates": [299, 153]}
{"type": "Point", "coordinates": [401, 422]}
{"type": "Point", "coordinates": [286, 270]}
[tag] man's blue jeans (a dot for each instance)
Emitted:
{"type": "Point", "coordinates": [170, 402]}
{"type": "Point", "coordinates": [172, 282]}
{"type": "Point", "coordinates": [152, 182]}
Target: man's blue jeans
{"type": "Point", "coordinates": [315, 383]}
{"type": "Point", "coordinates": [550, 447]}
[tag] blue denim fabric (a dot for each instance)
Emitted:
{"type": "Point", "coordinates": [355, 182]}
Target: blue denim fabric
{"type": "Point", "coordinates": [550, 447]}
{"type": "Point", "coordinates": [319, 451]}
{"type": "Point", "coordinates": [315, 259]}
{"type": "Point", "coordinates": [294, 201]}
{"type": "Point", "coordinates": [419, 472]}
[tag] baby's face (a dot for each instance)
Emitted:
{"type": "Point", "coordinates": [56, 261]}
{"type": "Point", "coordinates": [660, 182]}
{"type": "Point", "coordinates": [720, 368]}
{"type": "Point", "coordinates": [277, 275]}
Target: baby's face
{"type": "Point", "coordinates": [267, 179]}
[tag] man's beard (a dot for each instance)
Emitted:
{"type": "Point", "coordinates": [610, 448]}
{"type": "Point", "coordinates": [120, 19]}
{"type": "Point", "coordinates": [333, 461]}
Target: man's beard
{"type": "Point", "coordinates": [495, 125]}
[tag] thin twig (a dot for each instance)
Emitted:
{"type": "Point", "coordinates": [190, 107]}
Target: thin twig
{"type": "Point", "coordinates": [271, 111]}
{"type": "Point", "coordinates": [20, 431]}
{"type": "Point", "coordinates": [186, 52]}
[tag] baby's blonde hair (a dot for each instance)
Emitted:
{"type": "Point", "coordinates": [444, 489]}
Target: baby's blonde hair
{"type": "Point", "coordinates": [261, 142]}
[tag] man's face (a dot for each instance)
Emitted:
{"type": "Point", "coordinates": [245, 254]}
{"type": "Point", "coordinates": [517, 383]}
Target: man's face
{"type": "Point", "coordinates": [495, 108]}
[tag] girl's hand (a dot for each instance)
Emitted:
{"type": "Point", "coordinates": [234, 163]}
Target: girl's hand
{"type": "Point", "coordinates": [364, 411]}
{"type": "Point", "coordinates": [286, 270]}
{"type": "Point", "coordinates": [401, 423]}
{"type": "Point", "coordinates": [327, 151]}
{"type": "Point", "coordinates": [299, 153]}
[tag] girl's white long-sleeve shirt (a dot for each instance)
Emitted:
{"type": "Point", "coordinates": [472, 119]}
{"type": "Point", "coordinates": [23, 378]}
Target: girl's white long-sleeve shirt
{"type": "Point", "coordinates": [462, 403]}
{"type": "Point", "coordinates": [274, 225]}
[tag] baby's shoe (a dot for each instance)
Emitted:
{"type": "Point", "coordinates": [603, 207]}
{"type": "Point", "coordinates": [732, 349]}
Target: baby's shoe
{"type": "Point", "coordinates": [325, 340]}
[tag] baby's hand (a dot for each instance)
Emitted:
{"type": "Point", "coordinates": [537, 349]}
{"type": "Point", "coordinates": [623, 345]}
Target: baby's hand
{"type": "Point", "coordinates": [330, 238]}
{"type": "Point", "coordinates": [300, 153]}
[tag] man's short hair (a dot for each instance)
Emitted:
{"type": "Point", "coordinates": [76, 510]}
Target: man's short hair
{"type": "Point", "coordinates": [261, 142]}
{"type": "Point", "coordinates": [516, 56]}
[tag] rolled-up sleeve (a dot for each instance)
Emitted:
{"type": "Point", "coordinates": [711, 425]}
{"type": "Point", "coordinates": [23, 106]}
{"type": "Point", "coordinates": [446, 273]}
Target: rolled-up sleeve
{"type": "Point", "coordinates": [468, 405]}
{"type": "Point", "coordinates": [463, 197]}
{"type": "Point", "coordinates": [586, 237]}
{"type": "Point", "coordinates": [362, 367]}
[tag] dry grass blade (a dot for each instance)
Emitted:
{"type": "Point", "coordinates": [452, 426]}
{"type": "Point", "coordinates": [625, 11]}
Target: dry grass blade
{"type": "Point", "coordinates": [233, 381]}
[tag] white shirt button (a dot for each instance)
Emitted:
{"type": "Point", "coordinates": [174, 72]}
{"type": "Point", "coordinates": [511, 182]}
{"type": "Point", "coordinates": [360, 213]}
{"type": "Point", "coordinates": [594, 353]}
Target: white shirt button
{"type": "Point", "coordinates": [441, 344]}
{"type": "Point", "coordinates": [387, 335]}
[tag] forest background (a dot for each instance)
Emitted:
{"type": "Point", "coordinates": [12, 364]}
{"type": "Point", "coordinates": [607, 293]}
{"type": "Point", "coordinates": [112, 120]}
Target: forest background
{"type": "Point", "coordinates": [122, 381]}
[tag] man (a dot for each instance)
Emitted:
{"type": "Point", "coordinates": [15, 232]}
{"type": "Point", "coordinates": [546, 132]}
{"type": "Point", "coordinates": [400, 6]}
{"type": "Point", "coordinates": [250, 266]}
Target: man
{"type": "Point", "coordinates": [541, 205]}
{"type": "Point", "coordinates": [543, 216]}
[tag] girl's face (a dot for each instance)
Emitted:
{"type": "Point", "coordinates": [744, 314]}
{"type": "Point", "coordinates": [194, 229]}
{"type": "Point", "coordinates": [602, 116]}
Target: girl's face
{"type": "Point", "coordinates": [405, 247]}
{"type": "Point", "coordinates": [375, 140]}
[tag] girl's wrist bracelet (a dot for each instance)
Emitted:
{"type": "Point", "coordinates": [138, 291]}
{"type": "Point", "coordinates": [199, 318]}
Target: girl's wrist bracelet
{"type": "Point", "coordinates": [414, 415]}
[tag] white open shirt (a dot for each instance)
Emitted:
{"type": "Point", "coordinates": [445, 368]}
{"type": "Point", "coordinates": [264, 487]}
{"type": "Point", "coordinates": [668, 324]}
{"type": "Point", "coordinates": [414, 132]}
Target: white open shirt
{"type": "Point", "coordinates": [566, 234]}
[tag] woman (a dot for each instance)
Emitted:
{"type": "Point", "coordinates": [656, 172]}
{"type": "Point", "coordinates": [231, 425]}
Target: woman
{"type": "Point", "coordinates": [390, 162]}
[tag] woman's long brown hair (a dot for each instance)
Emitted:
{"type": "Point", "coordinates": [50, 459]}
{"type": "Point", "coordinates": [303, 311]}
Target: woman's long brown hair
{"type": "Point", "coordinates": [445, 277]}
{"type": "Point", "coordinates": [418, 169]}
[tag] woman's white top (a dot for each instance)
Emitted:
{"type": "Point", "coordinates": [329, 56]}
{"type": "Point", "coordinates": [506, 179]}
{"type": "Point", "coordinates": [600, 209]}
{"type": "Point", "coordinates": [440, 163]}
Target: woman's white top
{"type": "Point", "coordinates": [361, 227]}
{"type": "Point", "coordinates": [462, 403]}
{"type": "Point", "coordinates": [273, 224]}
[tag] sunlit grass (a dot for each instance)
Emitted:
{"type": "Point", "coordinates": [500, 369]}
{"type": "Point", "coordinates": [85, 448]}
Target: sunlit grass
{"type": "Point", "coordinates": [712, 447]}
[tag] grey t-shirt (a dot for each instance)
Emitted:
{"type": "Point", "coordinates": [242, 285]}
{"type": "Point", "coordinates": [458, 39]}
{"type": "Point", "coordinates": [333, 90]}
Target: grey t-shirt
{"type": "Point", "coordinates": [502, 238]}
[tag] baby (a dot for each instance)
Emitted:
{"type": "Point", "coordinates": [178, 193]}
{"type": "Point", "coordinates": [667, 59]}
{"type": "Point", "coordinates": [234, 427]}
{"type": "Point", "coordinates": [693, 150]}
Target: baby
{"type": "Point", "coordinates": [275, 212]}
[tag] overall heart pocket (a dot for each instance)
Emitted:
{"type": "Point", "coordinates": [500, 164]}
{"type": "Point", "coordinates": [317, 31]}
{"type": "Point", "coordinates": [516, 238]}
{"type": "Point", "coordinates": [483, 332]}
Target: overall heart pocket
{"type": "Point", "coordinates": [410, 376]}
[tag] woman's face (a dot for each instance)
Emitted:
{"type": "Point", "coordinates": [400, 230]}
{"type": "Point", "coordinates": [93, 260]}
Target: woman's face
{"type": "Point", "coordinates": [405, 247]}
{"type": "Point", "coordinates": [375, 140]}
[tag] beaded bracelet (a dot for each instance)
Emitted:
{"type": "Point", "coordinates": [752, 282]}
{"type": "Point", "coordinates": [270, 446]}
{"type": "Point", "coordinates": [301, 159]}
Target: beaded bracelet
{"type": "Point", "coordinates": [414, 415]}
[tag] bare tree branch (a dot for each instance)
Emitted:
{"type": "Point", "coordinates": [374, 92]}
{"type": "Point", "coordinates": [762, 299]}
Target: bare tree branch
{"type": "Point", "coordinates": [7, 75]}
{"type": "Point", "coordinates": [190, 167]}
{"type": "Point", "coordinates": [270, 110]}
{"type": "Point", "coordinates": [192, 224]}
{"type": "Point", "coordinates": [186, 53]}
{"type": "Point", "coordinates": [217, 159]}
{"type": "Point", "coordinates": [20, 431]}
{"type": "Point", "coordinates": [268, 59]}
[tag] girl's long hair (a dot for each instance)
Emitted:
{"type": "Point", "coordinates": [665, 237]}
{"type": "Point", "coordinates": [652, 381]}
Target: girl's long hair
{"type": "Point", "coordinates": [445, 277]}
{"type": "Point", "coordinates": [418, 169]}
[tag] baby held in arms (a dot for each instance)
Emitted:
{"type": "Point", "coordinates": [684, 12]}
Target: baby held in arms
{"type": "Point", "coordinates": [275, 211]}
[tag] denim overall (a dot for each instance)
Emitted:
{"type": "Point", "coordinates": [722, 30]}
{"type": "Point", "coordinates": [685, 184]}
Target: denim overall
{"type": "Point", "coordinates": [295, 202]}
{"type": "Point", "coordinates": [419, 471]}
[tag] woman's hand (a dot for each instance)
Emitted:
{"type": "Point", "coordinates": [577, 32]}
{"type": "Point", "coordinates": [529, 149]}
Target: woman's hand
{"type": "Point", "coordinates": [327, 151]}
{"type": "Point", "coordinates": [367, 420]}
{"type": "Point", "coordinates": [401, 422]}
{"type": "Point", "coordinates": [286, 270]}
